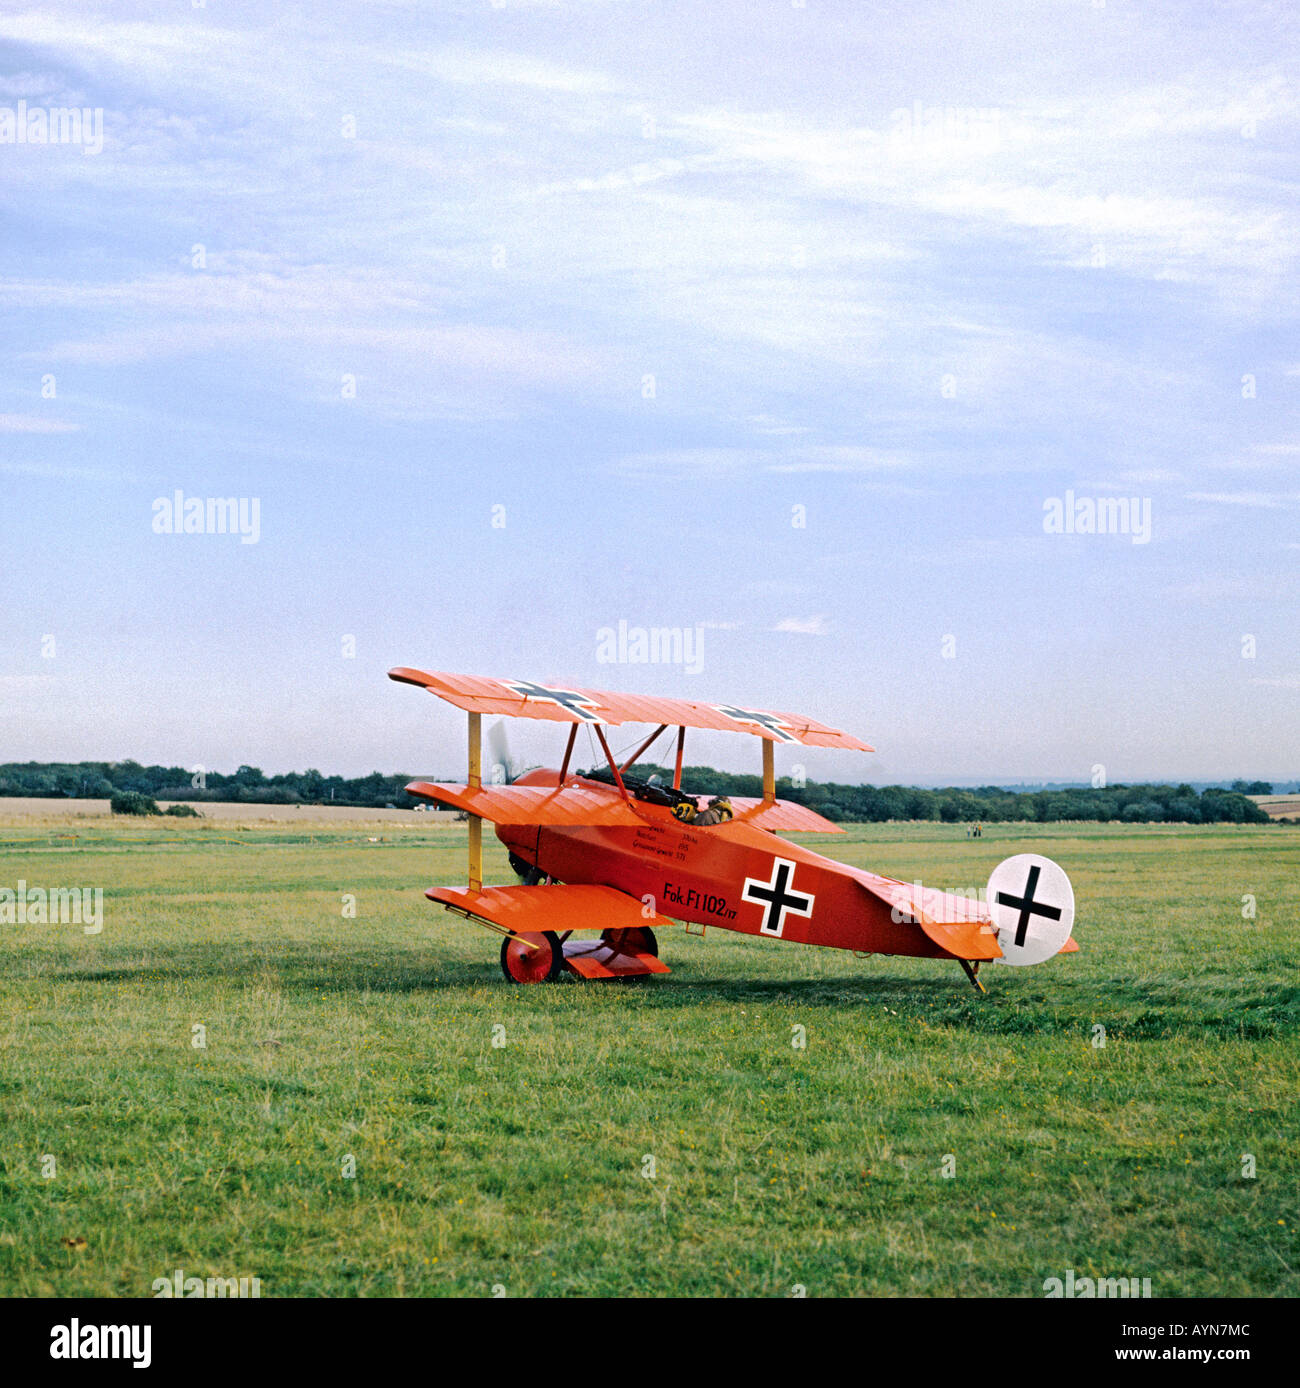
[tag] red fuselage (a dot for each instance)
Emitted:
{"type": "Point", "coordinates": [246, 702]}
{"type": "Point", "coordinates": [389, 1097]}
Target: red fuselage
{"type": "Point", "coordinates": [730, 875]}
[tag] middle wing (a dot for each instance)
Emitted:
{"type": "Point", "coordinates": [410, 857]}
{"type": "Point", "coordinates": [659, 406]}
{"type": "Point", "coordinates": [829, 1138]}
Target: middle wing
{"type": "Point", "coordinates": [586, 806]}
{"type": "Point", "coordinates": [784, 816]}
{"type": "Point", "coordinates": [576, 806]}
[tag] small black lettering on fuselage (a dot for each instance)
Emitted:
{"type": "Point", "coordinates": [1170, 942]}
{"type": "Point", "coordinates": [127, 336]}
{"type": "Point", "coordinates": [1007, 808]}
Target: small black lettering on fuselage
{"type": "Point", "coordinates": [690, 899]}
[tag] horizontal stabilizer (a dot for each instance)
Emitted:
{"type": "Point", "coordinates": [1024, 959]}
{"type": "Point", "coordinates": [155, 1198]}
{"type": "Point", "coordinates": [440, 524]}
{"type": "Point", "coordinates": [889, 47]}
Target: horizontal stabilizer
{"type": "Point", "coordinates": [958, 924]}
{"type": "Point", "coordinates": [966, 939]}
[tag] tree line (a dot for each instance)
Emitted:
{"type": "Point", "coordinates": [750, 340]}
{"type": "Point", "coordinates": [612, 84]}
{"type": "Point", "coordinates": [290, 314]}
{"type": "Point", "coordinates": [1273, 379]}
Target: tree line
{"type": "Point", "coordinates": [1176, 804]}
{"type": "Point", "coordinates": [1180, 804]}
{"type": "Point", "coordinates": [101, 780]}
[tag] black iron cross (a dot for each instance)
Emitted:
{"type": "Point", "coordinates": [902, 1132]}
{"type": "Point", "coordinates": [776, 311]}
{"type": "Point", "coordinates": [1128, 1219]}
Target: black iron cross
{"type": "Point", "coordinates": [764, 720]}
{"type": "Point", "coordinates": [776, 898]}
{"type": "Point", "coordinates": [568, 699]}
{"type": "Point", "coordinates": [1027, 906]}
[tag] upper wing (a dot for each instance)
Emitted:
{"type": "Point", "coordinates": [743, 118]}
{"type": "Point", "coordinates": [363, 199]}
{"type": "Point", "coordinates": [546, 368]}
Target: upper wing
{"type": "Point", "coordinates": [569, 704]}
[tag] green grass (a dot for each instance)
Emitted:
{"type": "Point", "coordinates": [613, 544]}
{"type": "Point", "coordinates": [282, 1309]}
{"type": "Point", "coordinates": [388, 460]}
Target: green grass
{"type": "Point", "coordinates": [522, 1165]}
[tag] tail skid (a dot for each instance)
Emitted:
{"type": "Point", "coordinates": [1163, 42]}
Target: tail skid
{"type": "Point", "coordinates": [972, 972]}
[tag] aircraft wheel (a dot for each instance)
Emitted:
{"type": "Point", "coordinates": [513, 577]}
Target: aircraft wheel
{"type": "Point", "coordinates": [543, 964]}
{"type": "Point", "coordinates": [640, 939]}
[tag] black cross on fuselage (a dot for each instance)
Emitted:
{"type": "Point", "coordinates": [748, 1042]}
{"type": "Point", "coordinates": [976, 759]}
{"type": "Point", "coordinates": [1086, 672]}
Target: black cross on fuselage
{"type": "Point", "coordinates": [775, 899]}
{"type": "Point", "coordinates": [568, 699]}
{"type": "Point", "coordinates": [764, 720]}
{"type": "Point", "coordinates": [1027, 906]}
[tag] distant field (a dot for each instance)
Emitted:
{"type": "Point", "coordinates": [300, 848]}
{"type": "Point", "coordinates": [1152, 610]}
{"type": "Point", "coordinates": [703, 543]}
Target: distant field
{"type": "Point", "coordinates": [1279, 806]}
{"type": "Point", "coordinates": [521, 1166]}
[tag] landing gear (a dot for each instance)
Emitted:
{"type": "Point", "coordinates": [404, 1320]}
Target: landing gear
{"type": "Point", "coordinates": [532, 958]}
{"type": "Point", "coordinates": [638, 940]}
{"type": "Point", "coordinates": [972, 973]}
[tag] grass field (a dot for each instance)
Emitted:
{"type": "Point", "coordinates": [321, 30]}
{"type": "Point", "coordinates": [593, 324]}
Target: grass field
{"type": "Point", "coordinates": [521, 1165]}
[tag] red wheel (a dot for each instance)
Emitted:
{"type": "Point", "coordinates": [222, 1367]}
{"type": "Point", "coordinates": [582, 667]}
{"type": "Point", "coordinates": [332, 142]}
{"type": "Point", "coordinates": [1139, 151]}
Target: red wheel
{"type": "Point", "coordinates": [639, 939]}
{"type": "Point", "coordinates": [533, 958]}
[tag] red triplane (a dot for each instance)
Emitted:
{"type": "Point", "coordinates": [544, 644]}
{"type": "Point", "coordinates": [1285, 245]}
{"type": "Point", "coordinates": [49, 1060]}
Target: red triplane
{"type": "Point", "coordinates": [610, 856]}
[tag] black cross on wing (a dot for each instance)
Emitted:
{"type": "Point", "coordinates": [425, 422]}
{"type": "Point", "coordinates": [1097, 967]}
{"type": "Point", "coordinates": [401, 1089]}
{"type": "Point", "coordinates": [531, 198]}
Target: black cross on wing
{"type": "Point", "coordinates": [776, 726]}
{"type": "Point", "coordinates": [568, 699]}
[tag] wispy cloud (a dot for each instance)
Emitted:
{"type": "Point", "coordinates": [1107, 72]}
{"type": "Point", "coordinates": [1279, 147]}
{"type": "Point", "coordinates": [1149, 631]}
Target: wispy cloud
{"type": "Point", "coordinates": [1278, 682]}
{"type": "Point", "coordinates": [827, 458]}
{"type": "Point", "coordinates": [465, 66]}
{"type": "Point", "coordinates": [804, 626]}
{"type": "Point", "coordinates": [841, 458]}
{"type": "Point", "coordinates": [35, 424]}
{"type": "Point", "coordinates": [66, 472]}
{"type": "Point", "coordinates": [1264, 501]}
{"type": "Point", "coordinates": [1234, 588]}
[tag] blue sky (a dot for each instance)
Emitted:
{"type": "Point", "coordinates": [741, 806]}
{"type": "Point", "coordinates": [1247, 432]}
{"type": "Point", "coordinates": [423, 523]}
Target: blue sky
{"type": "Point", "coordinates": [915, 269]}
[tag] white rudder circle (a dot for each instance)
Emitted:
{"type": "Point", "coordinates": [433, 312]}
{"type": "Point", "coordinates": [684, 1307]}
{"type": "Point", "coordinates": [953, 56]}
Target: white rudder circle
{"type": "Point", "coordinates": [1031, 904]}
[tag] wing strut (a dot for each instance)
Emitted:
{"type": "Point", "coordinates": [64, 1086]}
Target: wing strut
{"type": "Point", "coordinates": [475, 821]}
{"type": "Point", "coordinates": [568, 752]}
{"type": "Point", "coordinates": [644, 747]}
{"type": "Point", "coordinates": [613, 765]}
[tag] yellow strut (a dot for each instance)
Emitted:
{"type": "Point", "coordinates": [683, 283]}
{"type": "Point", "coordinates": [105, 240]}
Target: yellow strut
{"type": "Point", "coordinates": [475, 821]}
{"type": "Point", "coordinates": [769, 771]}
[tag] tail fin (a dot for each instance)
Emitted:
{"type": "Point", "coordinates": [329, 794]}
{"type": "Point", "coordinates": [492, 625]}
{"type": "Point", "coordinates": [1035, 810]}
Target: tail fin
{"type": "Point", "coordinates": [1031, 904]}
